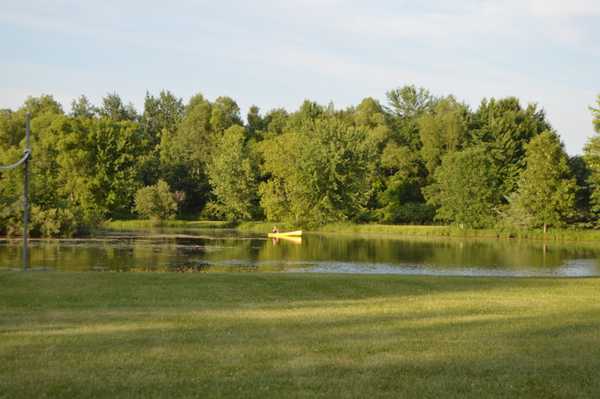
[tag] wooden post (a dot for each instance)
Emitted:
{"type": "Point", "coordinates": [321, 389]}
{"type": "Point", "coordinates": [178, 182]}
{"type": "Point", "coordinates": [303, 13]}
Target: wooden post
{"type": "Point", "coordinates": [26, 197]}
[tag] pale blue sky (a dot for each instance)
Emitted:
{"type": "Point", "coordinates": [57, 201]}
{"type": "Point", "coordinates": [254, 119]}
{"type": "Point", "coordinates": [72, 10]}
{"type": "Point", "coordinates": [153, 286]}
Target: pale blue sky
{"type": "Point", "coordinates": [277, 53]}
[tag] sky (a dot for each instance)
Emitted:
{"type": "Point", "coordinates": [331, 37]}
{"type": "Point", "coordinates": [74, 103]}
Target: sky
{"type": "Point", "coordinates": [277, 53]}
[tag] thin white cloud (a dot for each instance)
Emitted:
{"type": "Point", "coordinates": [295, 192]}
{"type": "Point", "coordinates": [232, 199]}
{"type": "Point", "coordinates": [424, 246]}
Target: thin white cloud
{"type": "Point", "coordinates": [540, 50]}
{"type": "Point", "coordinates": [564, 8]}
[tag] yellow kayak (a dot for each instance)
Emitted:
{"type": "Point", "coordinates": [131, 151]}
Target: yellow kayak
{"type": "Point", "coordinates": [297, 233]}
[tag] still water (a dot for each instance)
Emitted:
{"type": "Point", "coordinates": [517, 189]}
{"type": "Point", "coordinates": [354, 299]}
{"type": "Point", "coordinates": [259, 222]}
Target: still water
{"type": "Point", "coordinates": [228, 250]}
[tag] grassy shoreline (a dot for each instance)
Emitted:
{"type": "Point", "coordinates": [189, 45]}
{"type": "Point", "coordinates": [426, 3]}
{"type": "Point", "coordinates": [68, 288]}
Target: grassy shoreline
{"type": "Point", "coordinates": [453, 231]}
{"type": "Point", "coordinates": [296, 335]}
{"type": "Point", "coordinates": [137, 224]}
{"type": "Point", "coordinates": [368, 229]}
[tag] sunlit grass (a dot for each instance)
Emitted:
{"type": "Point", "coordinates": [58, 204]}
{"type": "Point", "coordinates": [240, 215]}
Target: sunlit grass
{"type": "Point", "coordinates": [454, 231]}
{"type": "Point", "coordinates": [352, 228]}
{"type": "Point", "coordinates": [296, 335]}
{"type": "Point", "coordinates": [123, 225]}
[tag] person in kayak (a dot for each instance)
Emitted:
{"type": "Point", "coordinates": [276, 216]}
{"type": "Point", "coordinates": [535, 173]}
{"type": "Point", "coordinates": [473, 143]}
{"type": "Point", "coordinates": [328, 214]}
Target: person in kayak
{"type": "Point", "coordinates": [275, 230]}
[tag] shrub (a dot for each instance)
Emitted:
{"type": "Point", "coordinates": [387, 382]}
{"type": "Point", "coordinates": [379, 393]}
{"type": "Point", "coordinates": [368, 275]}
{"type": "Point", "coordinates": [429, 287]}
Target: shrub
{"type": "Point", "coordinates": [156, 202]}
{"type": "Point", "coordinates": [53, 222]}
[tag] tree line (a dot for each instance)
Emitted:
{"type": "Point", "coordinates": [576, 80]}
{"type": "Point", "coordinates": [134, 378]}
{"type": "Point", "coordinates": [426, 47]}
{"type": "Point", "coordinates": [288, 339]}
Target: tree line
{"type": "Point", "coordinates": [414, 159]}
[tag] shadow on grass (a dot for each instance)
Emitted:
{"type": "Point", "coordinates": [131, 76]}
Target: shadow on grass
{"type": "Point", "coordinates": [230, 290]}
{"type": "Point", "coordinates": [420, 353]}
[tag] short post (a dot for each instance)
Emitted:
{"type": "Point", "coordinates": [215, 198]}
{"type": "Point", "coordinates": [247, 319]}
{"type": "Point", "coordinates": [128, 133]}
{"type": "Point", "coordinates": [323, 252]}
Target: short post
{"type": "Point", "coordinates": [26, 195]}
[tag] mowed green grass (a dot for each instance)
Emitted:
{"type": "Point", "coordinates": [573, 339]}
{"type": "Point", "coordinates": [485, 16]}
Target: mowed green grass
{"type": "Point", "coordinates": [174, 335]}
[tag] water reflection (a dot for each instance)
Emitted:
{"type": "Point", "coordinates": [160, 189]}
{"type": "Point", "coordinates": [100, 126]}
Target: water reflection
{"type": "Point", "coordinates": [224, 250]}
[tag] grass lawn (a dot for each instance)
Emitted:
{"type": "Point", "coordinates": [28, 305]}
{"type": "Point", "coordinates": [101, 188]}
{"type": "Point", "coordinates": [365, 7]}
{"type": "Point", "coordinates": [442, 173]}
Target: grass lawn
{"type": "Point", "coordinates": [296, 335]}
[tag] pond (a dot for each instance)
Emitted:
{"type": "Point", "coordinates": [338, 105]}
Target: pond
{"type": "Point", "coordinates": [229, 250]}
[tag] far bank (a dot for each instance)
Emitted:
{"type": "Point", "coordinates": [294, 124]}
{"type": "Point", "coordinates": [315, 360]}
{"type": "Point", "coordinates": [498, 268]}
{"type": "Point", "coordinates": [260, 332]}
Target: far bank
{"type": "Point", "coordinates": [434, 231]}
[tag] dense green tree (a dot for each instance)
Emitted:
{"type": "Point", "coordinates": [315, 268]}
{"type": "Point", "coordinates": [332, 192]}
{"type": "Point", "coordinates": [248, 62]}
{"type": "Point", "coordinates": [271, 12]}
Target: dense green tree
{"type": "Point", "coordinates": [581, 172]}
{"type": "Point", "coordinates": [225, 113]}
{"type": "Point", "coordinates": [306, 115]}
{"type": "Point", "coordinates": [257, 124]}
{"type": "Point", "coordinates": [276, 121]}
{"type": "Point", "coordinates": [113, 108]}
{"type": "Point", "coordinates": [44, 104]}
{"type": "Point", "coordinates": [402, 200]}
{"type": "Point", "coordinates": [592, 160]}
{"type": "Point", "coordinates": [161, 113]}
{"type": "Point", "coordinates": [409, 101]}
{"type": "Point", "coordinates": [68, 162]}
{"type": "Point", "coordinates": [506, 127]}
{"type": "Point", "coordinates": [185, 153]}
{"type": "Point", "coordinates": [442, 130]}
{"type": "Point", "coordinates": [547, 187]}
{"type": "Point", "coordinates": [115, 171]}
{"type": "Point", "coordinates": [397, 163]}
{"type": "Point", "coordinates": [195, 134]}
{"type": "Point", "coordinates": [42, 109]}
{"type": "Point", "coordinates": [465, 189]}
{"type": "Point", "coordinates": [45, 183]}
{"type": "Point", "coordinates": [162, 116]}
{"type": "Point", "coordinates": [317, 174]}
{"type": "Point", "coordinates": [62, 175]}
{"type": "Point", "coordinates": [370, 116]}
{"type": "Point", "coordinates": [405, 106]}
{"type": "Point", "coordinates": [233, 177]}
{"type": "Point", "coordinates": [83, 108]}
{"type": "Point", "coordinates": [10, 192]}
{"type": "Point", "coordinates": [99, 161]}
{"type": "Point", "coordinates": [12, 129]}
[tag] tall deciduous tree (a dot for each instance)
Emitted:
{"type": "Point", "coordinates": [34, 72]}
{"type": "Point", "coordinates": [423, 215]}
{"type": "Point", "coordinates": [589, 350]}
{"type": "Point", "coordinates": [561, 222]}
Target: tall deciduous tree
{"type": "Point", "coordinates": [225, 113]}
{"type": "Point", "coordinates": [506, 127]}
{"type": "Point", "coordinates": [162, 117]}
{"type": "Point", "coordinates": [83, 108]}
{"type": "Point", "coordinates": [257, 124]}
{"type": "Point", "coordinates": [582, 174]}
{"type": "Point", "coordinates": [547, 187]}
{"type": "Point", "coordinates": [409, 101]}
{"type": "Point", "coordinates": [185, 153]}
{"type": "Point", "coordinates": [12, 129]}
{"type": "Point", "coordinates": [442, 130]}
{"type": "Point", "coordinates": [465, 188]}
{"type": "Point", "coordinates": [162, 113]}
{"type": "Point", "coordinates": [370, 116]}
{"type": "Point", "coordinates": [100, 158]}
{"type": "Point", "coordinates": [113, 108]}
{"type": "Point", "coordinates": [402, 200]}
{"type": "Point", "coordinates": [276, 122]}
{"type": "Point", "coordinates": [44, 104]}
{"type": "Point", "coordinates": [232, 174]}
{"type": "Point", "coordinates": [318, 173]}
{"type": "Point", "coordinates": [405, 106]}
{"type": "Point", "coordinates": [45, 184]}
{"type": "Point", "coordinates": [592, 160]}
